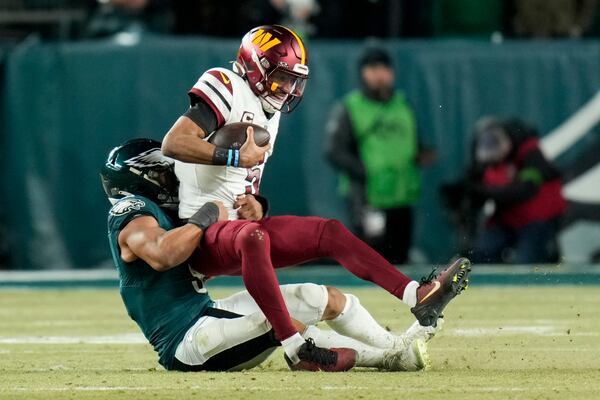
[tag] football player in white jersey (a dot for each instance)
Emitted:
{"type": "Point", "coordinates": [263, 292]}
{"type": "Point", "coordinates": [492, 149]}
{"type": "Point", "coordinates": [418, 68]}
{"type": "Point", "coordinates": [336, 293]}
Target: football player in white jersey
{"type": "Point", "coordinates": [268, 78]}
{"type": "Point", "coordinates": [257, 91]}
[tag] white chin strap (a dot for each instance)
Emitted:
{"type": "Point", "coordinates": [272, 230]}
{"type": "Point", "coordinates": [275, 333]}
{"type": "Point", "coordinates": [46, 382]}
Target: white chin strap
{"type": "Point", "coordinates": [272, 105]}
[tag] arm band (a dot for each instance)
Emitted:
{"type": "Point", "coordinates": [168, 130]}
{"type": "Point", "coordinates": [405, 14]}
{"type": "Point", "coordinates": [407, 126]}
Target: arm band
{"type": "Point", "coordinates": [202, 115]}
{"type": "Point", "coordinates": [207, 215]}
{"type": "Point", "coordinates": [228, 157]}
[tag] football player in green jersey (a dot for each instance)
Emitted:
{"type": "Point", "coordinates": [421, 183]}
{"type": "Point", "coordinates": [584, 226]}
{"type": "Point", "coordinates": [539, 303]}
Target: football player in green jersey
{"type": "Point", "coordinates": [192, 332]}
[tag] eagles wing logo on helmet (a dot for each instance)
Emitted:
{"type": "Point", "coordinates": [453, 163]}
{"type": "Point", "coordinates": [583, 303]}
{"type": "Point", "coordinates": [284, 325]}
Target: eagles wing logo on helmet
{"type": "Point", "coordinates": [149, 158]}
{"type": "Point", "coordinates": [125, 206]}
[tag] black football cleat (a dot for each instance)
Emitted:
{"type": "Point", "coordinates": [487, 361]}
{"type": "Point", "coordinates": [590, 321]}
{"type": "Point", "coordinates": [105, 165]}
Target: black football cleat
{"type": "Point", "coordinates": [435, 293]}
{"type": "Point", "coordinates": [313, 358]}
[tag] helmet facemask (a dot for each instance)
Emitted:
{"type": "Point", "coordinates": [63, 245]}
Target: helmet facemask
{"type": "Point", "coordinates": [284, 90]}
{"type": "Point", "coordinates": [166, 186]}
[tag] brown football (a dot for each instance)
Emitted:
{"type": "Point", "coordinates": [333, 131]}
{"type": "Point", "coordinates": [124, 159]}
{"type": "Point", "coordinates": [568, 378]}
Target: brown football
{"type": "Point", "coordinates": [233, 136]}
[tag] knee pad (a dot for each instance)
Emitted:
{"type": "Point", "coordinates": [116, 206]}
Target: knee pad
{"type": "Point", "coordinates": [306, 302]}
{"type": "Point", "coordinates": [225, 333]}
{"type": "Point", "coordinates": [314, 295]}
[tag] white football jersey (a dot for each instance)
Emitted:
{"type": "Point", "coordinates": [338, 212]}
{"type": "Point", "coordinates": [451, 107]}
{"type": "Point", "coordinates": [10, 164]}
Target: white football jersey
{"type": "Point", "coordinates": [232, 100]}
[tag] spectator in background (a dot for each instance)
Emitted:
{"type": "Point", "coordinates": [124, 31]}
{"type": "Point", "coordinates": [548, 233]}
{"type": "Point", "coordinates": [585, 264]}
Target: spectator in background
{"type": "Point", "coordinates": [212, 17]}
{"type": "Point", "coordinates": [509, 169]}
{"type": "Point", "coordinates": [372, 140]}
{"type": "Point", "coordinates": [108, 17]}
{"type": "Point", "coordinates": [553, 18]}
{"type": "Point", "coordinates": [474, 18]}
{"type": "Point", "coordinates": [296, 14]}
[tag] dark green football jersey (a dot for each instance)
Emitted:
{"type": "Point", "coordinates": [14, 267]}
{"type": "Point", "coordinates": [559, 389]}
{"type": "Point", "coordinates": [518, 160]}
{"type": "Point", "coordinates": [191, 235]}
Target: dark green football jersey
{"type": "Point", "coordinates": [164, 304]}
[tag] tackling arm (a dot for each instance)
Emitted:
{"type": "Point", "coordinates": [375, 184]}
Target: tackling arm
{"type": "Point", "coordinates": [143, 238]}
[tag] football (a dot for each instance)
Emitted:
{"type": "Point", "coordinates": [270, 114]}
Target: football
{"type": "Point", "coordinates": [233, 136]}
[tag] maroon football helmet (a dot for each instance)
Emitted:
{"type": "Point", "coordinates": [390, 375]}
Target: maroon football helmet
{"type": "Point", "coordinates": [274, 61]}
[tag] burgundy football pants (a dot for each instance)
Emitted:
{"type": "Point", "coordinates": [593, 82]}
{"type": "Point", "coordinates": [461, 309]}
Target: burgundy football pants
{"type": "Point", "coordinates": [253, 249]}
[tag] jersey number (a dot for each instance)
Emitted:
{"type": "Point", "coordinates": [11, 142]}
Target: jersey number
{"type": "Point", "coordinates": [254, 178]}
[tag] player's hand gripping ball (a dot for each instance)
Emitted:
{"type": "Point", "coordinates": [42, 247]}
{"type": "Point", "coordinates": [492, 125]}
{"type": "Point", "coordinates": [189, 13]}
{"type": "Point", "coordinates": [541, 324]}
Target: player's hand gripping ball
{"type": "Point", "coordinates": [233, 136]}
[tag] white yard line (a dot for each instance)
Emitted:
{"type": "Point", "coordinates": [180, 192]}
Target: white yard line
{"type": "Point", "coordinates": [280, 389]}
{"type": "Point", "coordinates": [515, 347]}
{"type": "Point", "coordinates": [124, 338]}
{"type": "Point", "coordinates": [543, 329]}
{"type": "Point", "coordinates": [56, 323]}
{"type": "Point", "coordinates": [536, 330]}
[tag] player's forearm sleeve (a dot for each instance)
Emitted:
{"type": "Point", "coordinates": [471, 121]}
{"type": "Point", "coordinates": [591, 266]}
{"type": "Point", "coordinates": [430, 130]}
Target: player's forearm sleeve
{"type": "Point", "coordinates": [207, 215]}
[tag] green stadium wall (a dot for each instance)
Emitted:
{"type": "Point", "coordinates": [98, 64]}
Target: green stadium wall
{"type": "Point", "coordinates": [65, 105]}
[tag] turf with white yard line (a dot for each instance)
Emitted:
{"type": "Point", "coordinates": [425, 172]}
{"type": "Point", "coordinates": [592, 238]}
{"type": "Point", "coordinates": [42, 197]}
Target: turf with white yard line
{"type": "Point", "coordinates": [498, 343]}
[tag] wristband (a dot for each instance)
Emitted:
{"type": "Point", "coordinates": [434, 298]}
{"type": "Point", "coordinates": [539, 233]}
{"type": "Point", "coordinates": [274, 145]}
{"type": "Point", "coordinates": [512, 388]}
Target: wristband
{"type": "Point", "coordinates": [220, 156]}
{"type": "Point", "coordinates": [207, 215]}
{"type": "Point", "coordinates": [236, 158]}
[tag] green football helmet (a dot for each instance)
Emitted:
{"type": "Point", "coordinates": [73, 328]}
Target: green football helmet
{"type": "Point", "coordinates": [139, 167]}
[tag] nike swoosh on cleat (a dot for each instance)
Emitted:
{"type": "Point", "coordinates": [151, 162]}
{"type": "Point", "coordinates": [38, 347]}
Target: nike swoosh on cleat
{"type": "Point", "coordinates": [225, 80]}
{"type": "Point", "coordinates": [436, 285]}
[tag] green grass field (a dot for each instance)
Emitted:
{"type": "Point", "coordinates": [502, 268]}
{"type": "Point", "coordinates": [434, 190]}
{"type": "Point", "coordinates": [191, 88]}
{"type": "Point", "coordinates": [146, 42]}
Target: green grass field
{"type": "Point", "coordinates": [497, 343]}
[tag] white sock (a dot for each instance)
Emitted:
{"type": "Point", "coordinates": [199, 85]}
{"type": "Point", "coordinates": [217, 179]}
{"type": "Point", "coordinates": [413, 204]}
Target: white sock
{"type": "Point", "coordinates": [367, 356]}
{"type": "Point", "coordinates": [291, 346]}
{"type": "Point", "coordinates": [410, 294]}
{"type": "Point", "coordinates": [356, 322]}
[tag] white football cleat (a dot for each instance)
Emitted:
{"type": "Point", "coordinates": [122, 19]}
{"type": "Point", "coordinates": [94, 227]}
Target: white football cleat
{"type": "Point", "coordinates": [414, 357]}
{"type": "Point", "coordinates": [417, 331]}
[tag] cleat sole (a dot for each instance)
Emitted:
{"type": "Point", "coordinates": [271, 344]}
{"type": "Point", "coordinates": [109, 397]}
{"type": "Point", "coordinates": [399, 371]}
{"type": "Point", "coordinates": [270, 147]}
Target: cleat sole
{"type": "Point", "coordinates": [422, 354]}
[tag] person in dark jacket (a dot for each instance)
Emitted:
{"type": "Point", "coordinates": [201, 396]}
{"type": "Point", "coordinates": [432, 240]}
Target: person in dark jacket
{"type": "Point", "coordinates": [510, 171]}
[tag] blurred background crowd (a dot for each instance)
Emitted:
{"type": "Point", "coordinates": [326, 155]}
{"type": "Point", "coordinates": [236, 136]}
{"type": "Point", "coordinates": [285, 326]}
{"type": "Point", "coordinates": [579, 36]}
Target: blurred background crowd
{"type": "Point", "coordinates": [466, 126]}
{"type": "Point", "coordinates": [336, 19]}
